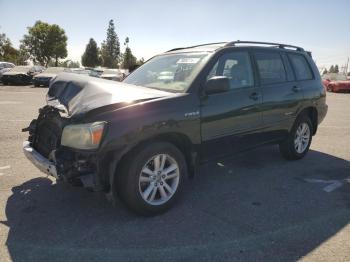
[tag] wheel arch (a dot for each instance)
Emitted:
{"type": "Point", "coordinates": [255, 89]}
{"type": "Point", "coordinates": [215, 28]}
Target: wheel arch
{"type": "Point", "coordinates": [181, 141]}
{"type": "Point", "coordinates": [312, 113]}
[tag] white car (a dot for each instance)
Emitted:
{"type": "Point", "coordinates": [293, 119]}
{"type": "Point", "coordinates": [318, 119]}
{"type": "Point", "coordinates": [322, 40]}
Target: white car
{"type": "Point", "coordinates": [113, 74]}
{"type": "Point", "coordinates": [4, 67]}
{"type": "Point", "coordinates": [45, 77]}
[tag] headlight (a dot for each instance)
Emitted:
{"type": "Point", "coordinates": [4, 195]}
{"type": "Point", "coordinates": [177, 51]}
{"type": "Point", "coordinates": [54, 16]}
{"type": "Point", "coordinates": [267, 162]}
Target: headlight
{"type": "Point", "coordinates": [83, 136]}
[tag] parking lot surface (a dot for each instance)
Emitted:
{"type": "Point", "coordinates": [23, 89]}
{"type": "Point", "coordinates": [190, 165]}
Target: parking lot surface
{"type": "Point", "coordinates": [254, 206]}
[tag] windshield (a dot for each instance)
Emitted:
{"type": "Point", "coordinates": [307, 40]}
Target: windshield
{"type": "Point", "coordinates": [54, 70]}
{"type": "Point", "coordinates": [172, 72]}
{"type": "Point", "coordinates": [22, 69]}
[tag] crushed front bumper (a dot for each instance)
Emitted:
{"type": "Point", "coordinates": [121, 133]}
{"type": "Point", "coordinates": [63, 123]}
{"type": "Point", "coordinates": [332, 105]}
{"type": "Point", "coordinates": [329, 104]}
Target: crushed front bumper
{"type": "Point", "coordinates": [42, 163]}
{"type": "Point", "coordinates": [70, 172]}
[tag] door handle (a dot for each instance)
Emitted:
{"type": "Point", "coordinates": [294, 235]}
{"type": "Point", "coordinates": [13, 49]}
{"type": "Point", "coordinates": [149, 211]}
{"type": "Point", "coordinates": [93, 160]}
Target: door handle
{"type": "Point", "coordinates": [296, 89]}
{"type": "Point", "coordinates": [254, 96]}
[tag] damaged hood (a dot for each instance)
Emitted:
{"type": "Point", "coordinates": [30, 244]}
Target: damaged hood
{"type": "Point", "coordinates": [79, 94]}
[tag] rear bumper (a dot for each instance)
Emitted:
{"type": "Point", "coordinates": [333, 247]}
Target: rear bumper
{"type": "Point", "coordinates": [42, 163]}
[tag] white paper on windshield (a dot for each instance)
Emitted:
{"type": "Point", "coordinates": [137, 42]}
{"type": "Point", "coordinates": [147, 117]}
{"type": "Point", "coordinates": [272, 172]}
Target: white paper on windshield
{"type": "Point", "coordinates": [188, 60]}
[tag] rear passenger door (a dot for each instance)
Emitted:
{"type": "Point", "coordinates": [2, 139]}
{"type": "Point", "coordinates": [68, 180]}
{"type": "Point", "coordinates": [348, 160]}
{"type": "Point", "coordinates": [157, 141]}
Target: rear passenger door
{"type": "Point", "coordinates": [282, 95]}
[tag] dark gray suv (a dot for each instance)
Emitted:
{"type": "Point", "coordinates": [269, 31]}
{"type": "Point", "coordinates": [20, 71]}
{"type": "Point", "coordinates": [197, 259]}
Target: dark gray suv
{"type": "Point", "coordinates": [140, 139]}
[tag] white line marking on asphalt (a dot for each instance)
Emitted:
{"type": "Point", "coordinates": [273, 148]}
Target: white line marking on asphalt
{"type": "Point", "coordinates": [4, 167]}
{"type": "Point", "coordinates": [333, 184]}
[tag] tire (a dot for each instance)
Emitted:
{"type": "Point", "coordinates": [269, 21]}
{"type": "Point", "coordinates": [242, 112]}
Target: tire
{"type": "Point", "coordinates": [149, 193]}
{"type": "Point", "coordinates": [294, 147]}
{"type": "Point", "coordinates": [329, 89]}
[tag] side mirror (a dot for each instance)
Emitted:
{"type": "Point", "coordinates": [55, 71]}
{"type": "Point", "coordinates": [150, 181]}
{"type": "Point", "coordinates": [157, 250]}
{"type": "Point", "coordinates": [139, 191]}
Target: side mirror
{"type": "Point", "coordinates": [217, 84]}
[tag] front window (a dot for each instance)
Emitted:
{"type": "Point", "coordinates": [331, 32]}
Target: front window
{"type": "Point", "coordinates": [170, 72]}
{"type": "Point", "coordinates": [236, 67]}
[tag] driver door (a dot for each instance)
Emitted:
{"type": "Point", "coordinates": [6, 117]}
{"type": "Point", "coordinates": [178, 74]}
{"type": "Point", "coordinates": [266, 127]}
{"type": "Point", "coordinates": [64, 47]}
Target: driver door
{"type": "Point", "coordinates": [230, 120]}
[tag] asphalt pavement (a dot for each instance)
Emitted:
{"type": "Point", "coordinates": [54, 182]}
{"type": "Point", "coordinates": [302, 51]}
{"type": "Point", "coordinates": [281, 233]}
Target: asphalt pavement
{"type": "Point", "coordinates": [254, 206]}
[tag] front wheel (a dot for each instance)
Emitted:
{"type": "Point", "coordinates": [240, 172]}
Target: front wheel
{"type": "Point", "coordinates": [299, 139]}
{"type": "Point", "coordinates": [151, 178]}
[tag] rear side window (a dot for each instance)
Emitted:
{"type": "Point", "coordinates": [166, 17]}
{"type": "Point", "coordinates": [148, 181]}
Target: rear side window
{"type": "Point", "coordinates": [301, 67]}
{"type": "Point", "coordinates": [271, 68]}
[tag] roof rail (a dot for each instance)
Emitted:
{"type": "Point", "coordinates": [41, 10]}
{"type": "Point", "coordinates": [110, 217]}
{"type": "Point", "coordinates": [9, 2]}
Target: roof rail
{"type": "Point", "coordinates": [179, 48]}
{"type": "Point", "coordinates": [265, 43]}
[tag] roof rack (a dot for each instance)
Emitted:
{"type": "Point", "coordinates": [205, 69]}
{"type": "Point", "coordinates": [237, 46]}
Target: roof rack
{"type": "Point", "coordinates": [179, 48]}
{"type": "Point", "coordinates": [265, 43]}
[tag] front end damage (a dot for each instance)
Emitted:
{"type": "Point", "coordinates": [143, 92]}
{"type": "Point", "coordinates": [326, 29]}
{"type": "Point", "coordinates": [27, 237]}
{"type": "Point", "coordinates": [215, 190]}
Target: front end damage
{"type": "Point", "coordinates": [80, 102]}
{"type": "Point", "coordinates": [43, 149]}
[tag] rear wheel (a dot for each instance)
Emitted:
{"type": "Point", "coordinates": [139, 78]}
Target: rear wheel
{"type": "Point", "coordinates": [151, 178]}
{"type": "Point", "coordinates": [299, 139]}
{"type": "Point", "coordinates": [329, 88]}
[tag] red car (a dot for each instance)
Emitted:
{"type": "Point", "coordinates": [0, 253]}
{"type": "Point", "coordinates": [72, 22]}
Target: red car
{"type": "Point", "coordinates": [336, 83]}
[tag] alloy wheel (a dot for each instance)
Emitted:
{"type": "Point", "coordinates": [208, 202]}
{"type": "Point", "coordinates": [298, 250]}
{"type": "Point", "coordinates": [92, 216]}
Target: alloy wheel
{"type": "Point", "coordinates": [159, 179]}
{"type": "Point", "coordinates": [302, 138]}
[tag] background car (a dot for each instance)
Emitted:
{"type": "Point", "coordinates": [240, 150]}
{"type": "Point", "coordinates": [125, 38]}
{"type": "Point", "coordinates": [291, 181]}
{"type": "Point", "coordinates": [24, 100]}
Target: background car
{"type": "Point", "coordinates": [113, 74]}
{"type": "Point", "coordinates": [336, 82]}
{"type": "Point", "coordinates": [96, 72]}
{"type": "Point", "coordinates": [4, 67]}
{"type": "Point", "coordinates": [44, 78]}
{"type": "Point", "coordinates": [21, 74]}
{"type": "Point", "coordinates": [80, 71]}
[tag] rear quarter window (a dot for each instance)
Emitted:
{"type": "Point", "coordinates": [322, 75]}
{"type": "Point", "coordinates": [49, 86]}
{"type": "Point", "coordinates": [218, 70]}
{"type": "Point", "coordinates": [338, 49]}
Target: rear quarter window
{"type": "Point", "coordinates": [301, 67]}
{"type": "Point", "coordinates": [270, 67]}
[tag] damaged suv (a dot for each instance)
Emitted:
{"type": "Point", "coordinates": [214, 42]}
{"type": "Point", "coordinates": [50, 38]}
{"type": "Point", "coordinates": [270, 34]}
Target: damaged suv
{"type": "Point", "coordinates": [140, 139]}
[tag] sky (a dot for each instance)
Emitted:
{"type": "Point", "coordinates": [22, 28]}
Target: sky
{"type": "Point", "coordinates": [155, 26]}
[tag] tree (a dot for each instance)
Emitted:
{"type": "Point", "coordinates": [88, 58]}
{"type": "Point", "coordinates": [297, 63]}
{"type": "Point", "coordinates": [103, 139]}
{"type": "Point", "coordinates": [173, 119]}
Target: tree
{"type": "Point", "coordinates": [110, 48]}
{"type": "Point", "coordinates": [45, 42]}
{"type": "Point", "coordinates": [129, 60]}
{"type": "Point", "coordinates": [331, 69]}
{"type": "Point", "coordinates": [58, 41]}
{"type": "Point", "coordinates": [91, 57]}
{"type": "Point", "coordinates": [325, 71]}
{"type": "Point", "coordinates": [140, 61]}
{"type": "Point", "coordinates": [336, 69]}
{"type": "Point", "coordinates": [9, 53]}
